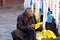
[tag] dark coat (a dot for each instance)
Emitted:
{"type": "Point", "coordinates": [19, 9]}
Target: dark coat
{"type": "Point", "coordinates": [24, 30]}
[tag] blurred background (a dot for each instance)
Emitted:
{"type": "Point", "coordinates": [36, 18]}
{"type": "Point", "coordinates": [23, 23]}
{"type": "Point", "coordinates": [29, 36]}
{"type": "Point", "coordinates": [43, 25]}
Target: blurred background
{"type": "Point", "coordinates": [9, 10]}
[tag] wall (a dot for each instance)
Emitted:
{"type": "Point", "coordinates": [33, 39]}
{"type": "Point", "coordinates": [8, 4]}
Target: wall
{"type": "Point", "coordinates": [0, 2]}
{"type": "Point", "coordinates": [5, 2]}
{"type": "Point", "coordinates": [13, 1]}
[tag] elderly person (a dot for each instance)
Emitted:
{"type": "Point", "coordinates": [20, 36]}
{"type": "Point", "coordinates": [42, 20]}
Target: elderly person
{"type": "Point", "coordinates": [25, 26]}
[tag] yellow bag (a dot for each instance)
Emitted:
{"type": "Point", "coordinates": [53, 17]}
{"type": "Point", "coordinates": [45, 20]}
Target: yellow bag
{"type": "Point", "coordinates": [43, 34]}
{"type": "Point", "coordinates": [51, 34]}
{"type": "Point", "coordinates": [38, 25]}
{"type": "Point", "coordinates": [47, 34]}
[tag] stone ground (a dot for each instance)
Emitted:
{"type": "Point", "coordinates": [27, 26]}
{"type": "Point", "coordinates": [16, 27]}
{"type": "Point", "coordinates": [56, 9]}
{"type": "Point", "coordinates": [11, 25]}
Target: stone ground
{"type": "Point", "coordinates": [8, 22]}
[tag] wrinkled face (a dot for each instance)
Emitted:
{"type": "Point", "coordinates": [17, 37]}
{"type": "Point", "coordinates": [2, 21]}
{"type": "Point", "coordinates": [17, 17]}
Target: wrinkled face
{"type": "Point", "coordinates": [29, 12]}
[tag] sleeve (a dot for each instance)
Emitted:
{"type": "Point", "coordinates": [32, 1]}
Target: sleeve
{"type": "Point", "coordinates": [21, 26]}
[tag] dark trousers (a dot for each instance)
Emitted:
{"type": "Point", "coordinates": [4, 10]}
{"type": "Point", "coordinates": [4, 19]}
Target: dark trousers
{"type": "Point", "coordinates": [14, 36]}
{"type": "Point", "coordinates": [30, 36]}
{"type": "Point", "coordinates": [52, 27]}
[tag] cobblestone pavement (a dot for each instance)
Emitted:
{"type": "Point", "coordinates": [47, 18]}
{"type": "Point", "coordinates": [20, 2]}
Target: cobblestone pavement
{"type": "Point", "coordinates": [8, 22]}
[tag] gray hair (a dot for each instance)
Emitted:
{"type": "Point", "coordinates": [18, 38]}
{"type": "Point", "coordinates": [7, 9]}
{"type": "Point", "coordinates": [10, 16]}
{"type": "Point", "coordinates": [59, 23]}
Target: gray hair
{"type": "Point", "coordinates": [27, 9]}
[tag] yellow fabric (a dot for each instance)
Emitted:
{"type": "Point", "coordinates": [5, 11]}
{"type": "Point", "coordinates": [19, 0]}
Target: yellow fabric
{"type": "Point", "coordinates": [39, 14]}
{"type": "Point", "coordinates": [47, 34]}
{"type": "Point", "coordinates": [38, 25]}
{"type": "Point", "coordinates": [43, 34]}
{"type": "Point", "coordinates": [52, 34]}
{"type": "Point", "coordinates": [33, 11]}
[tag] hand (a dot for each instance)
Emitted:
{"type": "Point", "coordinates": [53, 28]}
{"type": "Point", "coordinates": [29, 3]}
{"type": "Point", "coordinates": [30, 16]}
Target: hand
{"type": "Point", "coordinates": [33, 25]}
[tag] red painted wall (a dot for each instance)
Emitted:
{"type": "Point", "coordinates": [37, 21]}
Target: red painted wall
{"type": "Point", "coordinates": [0, 2]}
{"type": "Point", "coordinates": [14, 1]}
{"type": "Point", "coordinates": [11, 1]}
{"type": "Point", "coordinates": [4, 2]}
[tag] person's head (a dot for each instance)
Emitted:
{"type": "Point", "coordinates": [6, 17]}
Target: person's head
{"type": "Point", "coordinates": [48, 9]}
{"type": "Point", "coordinates": [28, 12]}
{"type": "Point", "coordinates": [40, 10]}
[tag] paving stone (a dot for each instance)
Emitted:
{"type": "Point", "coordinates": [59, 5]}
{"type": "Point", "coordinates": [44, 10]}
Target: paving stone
{"type": "Point", "coordinates": [8, 22]}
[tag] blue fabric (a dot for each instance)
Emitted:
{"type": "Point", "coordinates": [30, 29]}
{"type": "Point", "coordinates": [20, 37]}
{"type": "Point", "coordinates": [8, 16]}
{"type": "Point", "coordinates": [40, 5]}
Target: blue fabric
{"type": "Point", "coordinates": [31, 3]}
{"type": "Point", "coordinates": [49, 17]}
{"type": "Point", "coordinates": [41, 6]}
